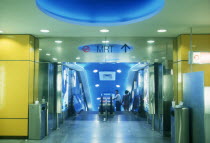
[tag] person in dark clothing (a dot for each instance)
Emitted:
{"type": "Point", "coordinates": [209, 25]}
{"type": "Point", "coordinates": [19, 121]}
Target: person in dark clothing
{"type": "Point", "coordinates": [126, 100]}
{"type": "Point", "coordinates": [117, 99]}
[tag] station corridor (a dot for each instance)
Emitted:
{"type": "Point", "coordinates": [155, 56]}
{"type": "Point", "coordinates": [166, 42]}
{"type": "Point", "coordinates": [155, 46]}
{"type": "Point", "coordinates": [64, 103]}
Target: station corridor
{"type": "Point", "coordinates": [90, 127]}
{"type": "Point", "coordinates": [104, 71]}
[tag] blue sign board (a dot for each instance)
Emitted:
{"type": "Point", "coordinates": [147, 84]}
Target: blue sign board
{"type": "Point", "coordinates": [106, 48]}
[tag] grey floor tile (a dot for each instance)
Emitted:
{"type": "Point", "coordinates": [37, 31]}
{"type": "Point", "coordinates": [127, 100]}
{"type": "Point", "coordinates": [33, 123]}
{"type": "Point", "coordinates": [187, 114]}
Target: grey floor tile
{"type": "Point", "coordinates": [90, 128]}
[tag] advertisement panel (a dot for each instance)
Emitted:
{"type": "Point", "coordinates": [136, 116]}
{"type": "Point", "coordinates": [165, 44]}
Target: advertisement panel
{"type": "Point", "coordinates": [146, 89]}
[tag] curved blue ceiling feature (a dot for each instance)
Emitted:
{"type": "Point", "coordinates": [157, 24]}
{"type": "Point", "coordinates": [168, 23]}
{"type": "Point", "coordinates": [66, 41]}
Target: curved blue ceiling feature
{"type": "Point", "coordinates": [101, 12]}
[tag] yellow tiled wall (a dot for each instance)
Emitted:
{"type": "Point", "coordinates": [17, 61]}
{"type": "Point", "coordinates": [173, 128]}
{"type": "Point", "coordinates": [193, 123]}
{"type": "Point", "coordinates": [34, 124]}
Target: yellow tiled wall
{"type": "Point", "coordinates": [17, 86]}
{"type": "Point", "coordinates": [180, 60]}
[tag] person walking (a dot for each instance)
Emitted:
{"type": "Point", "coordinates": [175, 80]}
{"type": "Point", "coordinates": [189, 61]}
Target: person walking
{"type": "Point", "coordinates": [126, 100]}
{"type": "Point", "coordinates": [117, 99]}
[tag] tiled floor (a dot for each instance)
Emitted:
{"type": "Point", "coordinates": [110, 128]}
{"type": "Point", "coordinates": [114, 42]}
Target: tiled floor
{"type": "Point", "coordinates": [91, 128]}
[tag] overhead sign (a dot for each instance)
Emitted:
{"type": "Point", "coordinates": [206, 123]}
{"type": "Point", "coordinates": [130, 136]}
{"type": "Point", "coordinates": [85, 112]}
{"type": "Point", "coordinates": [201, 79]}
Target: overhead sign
{"type": "Point", "coordinates": [200, 58]}
{"type": "Point", "coordinates": [106, 48]}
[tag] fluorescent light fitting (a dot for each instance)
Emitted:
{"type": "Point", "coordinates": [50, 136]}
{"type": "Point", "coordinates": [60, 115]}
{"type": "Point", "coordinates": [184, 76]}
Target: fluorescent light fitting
{"type": "Point", "coordinates": [1, 31]}
{"type": "Point", "coordinates": [104, 30]}
{"type": "Point", "coordinates": [77, 58]}
{"type": "Point", "coordinates": [162, 30]}
{"type": "Point", "coordinates": [119, 71]}
{"type": "Point", "coordinates": [58, 41]}
{"type": "Point", "coordinates": [48, 54]}
{"type": "Point", "coordinates": [95, 71]}
{"type": "Point", "coordinates": [118, 86]}
{"type": "Point", "coordinates": [55, 59]}
{"type": "Point", "coordinates": [150, 41]}
{"type": "Point", "coordinates": [44, 30]}
{"type": "Point", "coordinates": [97, 85]}
{"type": "Point", "coordinates": [40, 49]}
{"type": "Point", "coordinates": [105, 41]}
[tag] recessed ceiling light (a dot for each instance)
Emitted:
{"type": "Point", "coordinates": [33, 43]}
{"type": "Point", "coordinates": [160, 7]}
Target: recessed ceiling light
{"type": "Point", "coordinates": [1, 31]}
{"type": "Point", "coordinates": [162, 30]}
{"type": "Point", "coordinates": [150, 41]}
{"type": "Point", "coordinates": [44, 30]}
{"type": "Point", "coordinates": [119, 71]}
{"type": "Point", "coordinates": [77, 58]}
{"type": "Point", "coordinates": [58, 41]}
{"type": "Point", "coordinates": [40, 49]}
{"type": "Point", "coordinates": [48, 54]}
{"type": "Point", "coordinates": [118, 86]}
{"type": "Point", "coordinates": [105, 41]}
{"type": "Point", "coordinates": [55, 59]}
{"type": "Point", "coordinates": [104, 30]}
{"type": "Point", "coordinates": [95, 71]}
{"type": "Point", "coordinates": [97, 85]}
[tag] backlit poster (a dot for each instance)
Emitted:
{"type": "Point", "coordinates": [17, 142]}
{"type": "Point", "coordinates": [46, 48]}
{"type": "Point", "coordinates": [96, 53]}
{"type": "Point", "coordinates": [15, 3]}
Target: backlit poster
{"type": "Point", "coordinates": [74, 78]}
{"type": "Point", "coordinates": [140, 88]}
{"type": "Point", "coordinates": [65, 87]}
{"type": "Point", "coordinates": [146, 89]}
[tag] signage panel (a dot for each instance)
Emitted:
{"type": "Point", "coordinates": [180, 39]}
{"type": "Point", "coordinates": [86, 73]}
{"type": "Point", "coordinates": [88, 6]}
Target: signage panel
{"type": "Point", "coordinates": [200, 58]}
{"type": "Point", "coordinates": [106, 48]}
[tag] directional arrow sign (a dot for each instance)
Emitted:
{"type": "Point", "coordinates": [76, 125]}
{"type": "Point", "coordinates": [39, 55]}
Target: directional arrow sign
{"type": "Point", "coordinates": [108, 48]}
{"type": "Point", "coordinates": [125, 47]}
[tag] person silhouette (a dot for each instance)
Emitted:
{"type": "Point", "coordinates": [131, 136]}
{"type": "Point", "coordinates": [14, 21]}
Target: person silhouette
{"type": "Point", "coordinates": [126, 100]}
{"type": "Point", "coordinates": [117, 99]}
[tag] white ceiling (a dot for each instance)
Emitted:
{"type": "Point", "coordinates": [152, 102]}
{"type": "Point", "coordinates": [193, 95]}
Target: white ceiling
{"type": "Point", "coordinates": [23, 17]}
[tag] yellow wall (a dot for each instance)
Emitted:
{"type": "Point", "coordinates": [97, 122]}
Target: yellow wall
{"type": "Point", "coordinates": [17, 84]}
{"type": "Point", "coordinates": [180, 55]}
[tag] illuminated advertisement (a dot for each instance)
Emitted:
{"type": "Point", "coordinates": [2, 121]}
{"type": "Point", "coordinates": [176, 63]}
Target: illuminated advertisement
{"type": "Point", "coordinates": [72, 86]}
{"type": "Point", "coordinates": [65, 87]}
{"type": "Point", "coordinates": [140, 83]}
{"type": "Point", "coordinates": [146, 89]}
{"type": "Point", "coordinates": [73, 78]}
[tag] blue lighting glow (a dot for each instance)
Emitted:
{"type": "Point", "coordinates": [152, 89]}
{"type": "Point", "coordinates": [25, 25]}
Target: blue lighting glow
{"type": "Point", "coordinates": [104, 86]}
{"type": "Point", "coordinates": [101, 12]}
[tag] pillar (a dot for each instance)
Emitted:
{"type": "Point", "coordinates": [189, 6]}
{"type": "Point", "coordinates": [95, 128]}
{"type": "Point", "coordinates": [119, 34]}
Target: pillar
{"type": "Point", "coordinates": [18, 82]}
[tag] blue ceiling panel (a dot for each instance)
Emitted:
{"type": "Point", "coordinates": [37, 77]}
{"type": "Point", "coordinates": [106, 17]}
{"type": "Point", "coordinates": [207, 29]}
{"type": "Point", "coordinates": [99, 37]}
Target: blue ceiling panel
{"type": "Point", "coordinates": [101, 12]}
